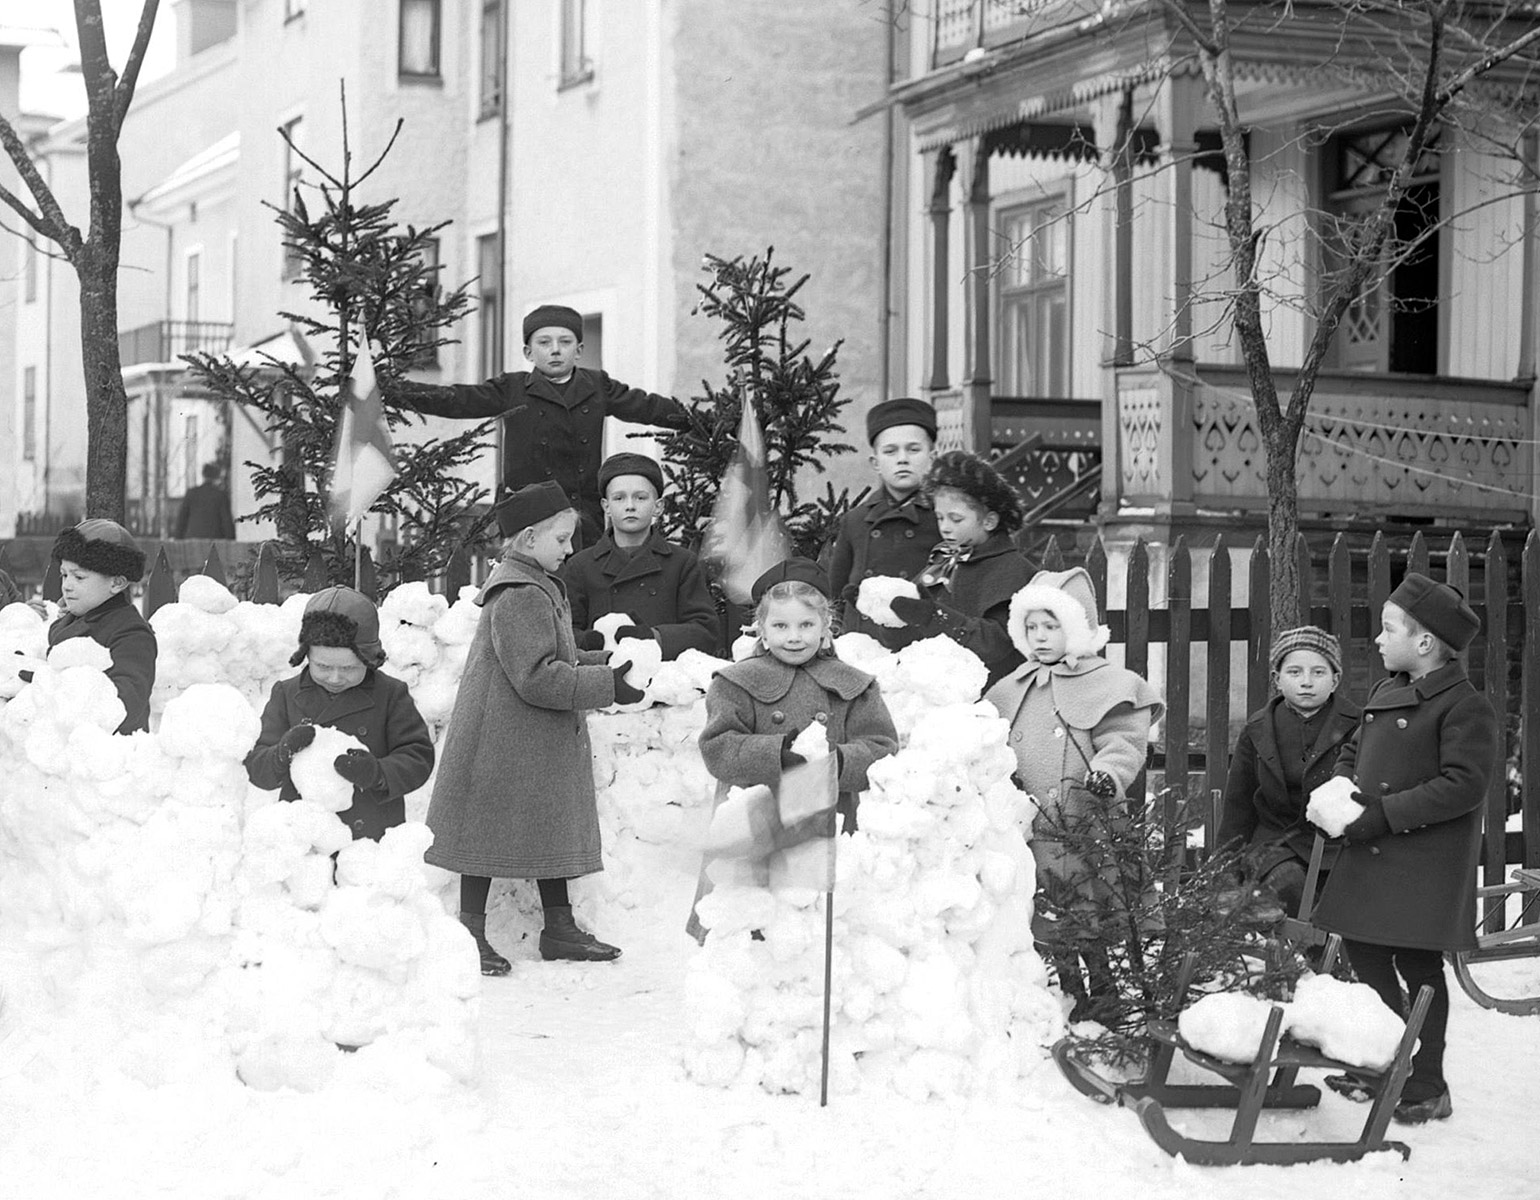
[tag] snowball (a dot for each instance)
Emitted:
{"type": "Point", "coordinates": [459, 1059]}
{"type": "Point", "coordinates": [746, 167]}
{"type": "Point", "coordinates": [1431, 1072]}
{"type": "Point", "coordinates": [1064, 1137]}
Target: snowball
{"type": "Point", "coordinates": [80, 652]}
{"type": "Point", "coordinates": [1348, 1021]}
{"type": "Point", "coordinates": [1226, 1025]}
{"type": "Point", "coordinates": [205, 594]}
{"type": "Point", "coordinates": [209, 719]}
{"type": "Point", "coordinates": [1332, 806]}
{"type": "Point", "coordinates": [314, 776]}
{"type": "Point", "coordinates": [812, 743]}
{"type": "Point", "coordinates": [874, 598]}
{"type": "Point", "coordinates": [608, 624]}
{"type": "Point", "coordinates": [645, 656]}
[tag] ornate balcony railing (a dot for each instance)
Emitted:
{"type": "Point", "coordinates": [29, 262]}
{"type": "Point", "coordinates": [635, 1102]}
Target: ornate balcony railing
{"type": "Point", "coordinates": [966, 25]}
{"type": "Point", "coordinates": [166, 341]}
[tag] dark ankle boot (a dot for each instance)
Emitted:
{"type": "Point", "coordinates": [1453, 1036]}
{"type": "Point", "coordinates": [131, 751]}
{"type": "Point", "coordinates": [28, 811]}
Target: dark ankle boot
{"type": "Point", "coordinates": [492, 963]}
{"type": "Point", "coordinates": [561, 938]}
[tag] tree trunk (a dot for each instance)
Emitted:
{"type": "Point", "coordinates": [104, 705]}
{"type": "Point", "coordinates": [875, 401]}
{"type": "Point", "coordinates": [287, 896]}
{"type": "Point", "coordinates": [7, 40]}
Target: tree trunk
{"type": "Point", "coordinates": [106, 399]}
{"type": "Point", "coordinates": [1281, 445]}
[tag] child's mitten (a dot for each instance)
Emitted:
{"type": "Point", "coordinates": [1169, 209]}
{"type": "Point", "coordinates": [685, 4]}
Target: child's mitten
{"type": "Point", "coordinates": [633, 631]}
{"type": "Point", "coordinates": [1372, 824]}
{"type": "Point", "coordinates": [590, 639]}
{"type": "Point", "coordinates": [293, 742]}
{"type": "Point", "coordinates": [915, 611]}
{"type": "Point", "coordinates": [360, 768]}
{"type": "Point", "coordinates": [1101, 784]}
{"type": "Point", "coordinates": [789, 757]}
{"type": "Point", "coordinates": [624, 692]}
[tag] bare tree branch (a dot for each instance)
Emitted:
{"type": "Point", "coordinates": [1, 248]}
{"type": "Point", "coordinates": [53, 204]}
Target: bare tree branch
{"type": "Point", "coordinates": [130, 78]}
{"type": "Point", "coordinates": [49, 219]}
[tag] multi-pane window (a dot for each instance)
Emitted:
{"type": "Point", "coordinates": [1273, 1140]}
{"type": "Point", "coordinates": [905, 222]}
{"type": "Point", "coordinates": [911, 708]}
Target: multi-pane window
{"type": "Point", "coordinates": [29, 414]}
{"type": "Point", "coordinates": [489, 268]}
{"type": "Point", "coordinates": [192, 305]}
{"type": "Point", "coordinates": [293, 172]}
{"type": "Point", "coordinates": [492, 43]}
{"type": "Point", "coordinates": [1034, 300]}
{"type": "Point", "coordinates": [418, 56]}
{"type": "Point", "coordinates": [576, 66]}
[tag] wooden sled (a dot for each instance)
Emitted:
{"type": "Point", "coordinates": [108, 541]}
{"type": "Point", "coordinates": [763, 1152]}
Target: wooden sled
{"type": "Point", "coordinates": [1270, 1080]}
{"type": "Point", "coordinates": [1521, 941]}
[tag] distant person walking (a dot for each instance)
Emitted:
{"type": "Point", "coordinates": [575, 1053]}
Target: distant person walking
{"type": "Point", "coordinates": [206, 509]}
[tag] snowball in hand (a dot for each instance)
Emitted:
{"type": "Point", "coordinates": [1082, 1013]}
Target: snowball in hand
{"type": "Point", "coordinates": [314, 776]}
{"type": "Point", "coordinates": [874, 598]}
{"type": "Point", "coordinates": [1332, 806]}
{"type": "Point", "coordinates": [608, 624]}
{"type": "Point", "coordinates": [812, 743]}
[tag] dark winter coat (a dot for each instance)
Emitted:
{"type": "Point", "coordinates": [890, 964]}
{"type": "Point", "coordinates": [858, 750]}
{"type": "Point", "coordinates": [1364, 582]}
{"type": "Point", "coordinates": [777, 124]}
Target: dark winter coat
{"type": "Point", "coordinates": [879, 537]}
{"type": "Point", "coordinates": [549, 432]}
{"type": "Point", "coordinates": [514, 797]}
{"type": "Point", "coordinates": [116, 624]}
{"type": "Point", "coordinates": [205, 513]}
{"type": "Point", "coordinates": [1427, 749]}
{"type": "Point", "coordinates": [1258, 810]}
{"type": "Point", "coordinates": [976, 607]}
{"type": "Point", "coordinates": [660, 585]}
{"type": "Point", "coordinates": [380, 713]}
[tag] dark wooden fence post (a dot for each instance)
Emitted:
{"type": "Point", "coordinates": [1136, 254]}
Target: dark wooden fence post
{"type": "Point", "coordinates": [1529, 758]}
{"type": "Point", "coordinates": [1178, 696]}
{"type": "Point", "coordinates": [1306, 613]}
{"type": "Point", "coordinates": [264, 580]}
{"type": "Point", "coordinates": [368, 580]}
{"type": "Point", "coordinates": [1339, 603]}
{"type": "Point", "coordinates": [1496, 672]}
{"type": "Point", "coordinates": [1417, 556]}
{"type": "Point", "coordinates": [1379, 592]}
{"type": "Point", "coordinates": [160, 588]}
{"type": "Point", "coordinates": [1258, 686]}
{"type": "Point", "coordinates": [53, 581]}
{"type": "Point", "coordinates": [315, 573]}
{"type": "Point", "coordinates": [214, 567]}
{"type": "Point", "coordinates": [1053, 557]}
{"type": "Point", "coordinates": [1217, 732]}
{"type": "Point", "coordinates": [1136, 647]}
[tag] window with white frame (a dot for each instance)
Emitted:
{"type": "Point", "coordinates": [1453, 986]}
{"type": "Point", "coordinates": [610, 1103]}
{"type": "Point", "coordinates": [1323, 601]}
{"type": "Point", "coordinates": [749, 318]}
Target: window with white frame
{"type": "Point", "coordinates": [293, 172]}
{"type": "Point", "coordinates": [492, 45]}
{"type": "Point", "coordinates": [192, 302]}
{"type": "Point", "coordinates": [576, 65]}
{"type": "Point", "coordinates": [29, 414]}
{"type": "Point", "coordinates": [1033, 294]}
{"type": "Point", "coordinates": [418, 54]}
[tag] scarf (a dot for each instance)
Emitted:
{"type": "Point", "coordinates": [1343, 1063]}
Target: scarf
{"type": "Point", "coordinates": [942, 564]}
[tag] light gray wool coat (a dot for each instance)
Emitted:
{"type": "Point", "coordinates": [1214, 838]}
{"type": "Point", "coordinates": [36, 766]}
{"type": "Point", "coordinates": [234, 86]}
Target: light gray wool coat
{"type": "Point", "coordinates": [514, 797]}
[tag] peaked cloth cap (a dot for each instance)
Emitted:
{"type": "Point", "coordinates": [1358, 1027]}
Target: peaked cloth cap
{"type": "Point", "coordinates": [553, 315]}
{"type": "Point", "coordinates": [1306, 637]}
{"type": "Point", "coordinates": [102, 546]}
{"type": "Point", "coordinates": [904, 411]}
{"type": "Point", "coordinates": [343, 617]}
{"type": "Point", "coordinates": [531, 505]}
{"type": "Point", "coordinates": [1439, 608]}
{"type": "Point", "coordinates": [629, 464]}
{"type": "Point", "coordinates": [793, 570]}
{"type": "Point", "coordinates": [1070, 597]}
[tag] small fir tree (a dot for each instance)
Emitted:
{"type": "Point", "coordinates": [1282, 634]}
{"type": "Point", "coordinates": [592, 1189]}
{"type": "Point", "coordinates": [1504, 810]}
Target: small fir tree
{"type": "Point", "coordinates": [369, 278]}
{"type": "Point", "coordinates": [797, 398]}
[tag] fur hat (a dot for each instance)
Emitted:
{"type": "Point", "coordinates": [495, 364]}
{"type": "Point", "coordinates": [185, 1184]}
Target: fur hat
{"type": "Point", "coordinates": [793, 570]}
{"type": "Point", "coordinates": [557, 315]}
{"type": "Point", "coordinates": [904, 411]}
{"type": "Point", "coordinates": [530, 505]}
{"type": "Point", "coordinates": [962, 472]}
{"type": "Point", "coordinates": [102, 546]}
{"type": "Point", "coordinates": [343, 617]}
{"type": "Point", "coordinates": [1439, 608]}
{"type": "Point", "coordinates": [1306, 637]}
{"type": "Point", "coordinates": [617, 465]}
{"type": "Point", "coordinates": [1069, 596]}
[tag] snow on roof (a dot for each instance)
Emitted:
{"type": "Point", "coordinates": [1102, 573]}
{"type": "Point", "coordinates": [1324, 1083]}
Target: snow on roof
{"type": "Point", "coordinates": [197, 174]}
{"type": "Point", "coordinates": [288, 347]}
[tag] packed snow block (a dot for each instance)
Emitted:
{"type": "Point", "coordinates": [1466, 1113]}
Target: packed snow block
{"type": "Point", "coordinates": [1347, 1021]}
{"type": "Point", "coordinates": [1227, 1025]}
{"type": "Point", "coordinates": [875, 596]}
{"type": "Point", "coordinates": [314, 770]}
{"type": "Point", "coordinates": [1332, 808]}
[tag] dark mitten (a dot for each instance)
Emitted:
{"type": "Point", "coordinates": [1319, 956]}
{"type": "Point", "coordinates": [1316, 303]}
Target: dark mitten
{"type": "Point", "coordinates": [915, 611]}
{"type": "Point", "coordinates": [1371, 824]}
{"type": "Point", "coordinates": [360, 768]}
{"type": "Point", "coordinates": [789, 757]}
{"type": "Point", "coordinates": [590, 639]}
{"type": "Point", "coordinates": [1099, 783]}
{"type": "Point", "coordinates": [293, 742]}
{"type": "Point", "coordinates": [624, 692]}
{"type": "Point", "coordinates": [633, 631]}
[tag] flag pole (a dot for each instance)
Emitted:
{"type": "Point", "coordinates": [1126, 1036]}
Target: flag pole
{"type": "Point", "coordinates": [828, 989]}
{"type": "Point", "coordinates": [358, 554]}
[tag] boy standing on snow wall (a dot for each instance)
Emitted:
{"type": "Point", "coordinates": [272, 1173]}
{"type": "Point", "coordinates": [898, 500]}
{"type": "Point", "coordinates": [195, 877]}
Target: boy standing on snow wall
{"type": "Point", "coordinates": [343, 688]}
{"type": "Point", "coordinates": [1403, 890]}
{"type": "Point", "coordinates": [553, 416]}
{"type": "Point", "coordinates": [97, 560]}
{"type": "Point", "coordinates": [891, 532]}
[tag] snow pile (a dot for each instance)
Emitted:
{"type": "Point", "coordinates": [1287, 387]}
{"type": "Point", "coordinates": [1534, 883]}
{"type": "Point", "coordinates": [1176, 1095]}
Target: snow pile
{"type": "Point", "coordinates": [874, 598]}
{"type": "Point", "coordinates": [207, 636]}
{"type": "Point", "coordinates": [937, 989]}
{"type": "Point", "coordinates": [23, 646]}
{"type": "Point", "coordinates": [426, 641]}
{"type": "Point", "coordinates": [1226, 1025]}
{"type": "Point", "coordinates": [1332, 807]}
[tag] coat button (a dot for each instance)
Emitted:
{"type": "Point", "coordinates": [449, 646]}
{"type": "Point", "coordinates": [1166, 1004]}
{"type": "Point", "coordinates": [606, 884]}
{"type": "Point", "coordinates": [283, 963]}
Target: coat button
{"type": "Point", "coordinates": [908, 533]}
{"type": "Point", "coordinates": [1368, 716]}
{"type": "Point", "coordinates": [778, 716]}
{"type": "Point", "coordinates": [1058, 732]}
{"type": "Point", "coordinates": [1400, 722]}
{"type": "Point", "coordinates": [1053, 793]}
{"type": "Point", "coordinates": [1384, 787]}
{"type": "Point", "coordinates": [876, 533]}
{"type": "Point", "coordinates": [1016, 737]}
{"type": "Point", "coordinates": [821, 717]}
{"type": "Point", "coordinates": [362, 730]}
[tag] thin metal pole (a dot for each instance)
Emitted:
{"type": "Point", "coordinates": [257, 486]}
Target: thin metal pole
{"type": "Point", "coordinates": [828, 986]}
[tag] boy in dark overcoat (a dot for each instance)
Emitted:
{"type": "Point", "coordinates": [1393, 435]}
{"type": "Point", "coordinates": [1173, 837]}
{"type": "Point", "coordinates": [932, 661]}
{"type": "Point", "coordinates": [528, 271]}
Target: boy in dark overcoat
{"type": "Point", "coordinates": [343, 688]}
{"type": "Point", "coordinates": [97, 560]}
{"type": "Point", "coordinates": [972, 574]}
{"type": "Point", "coordinates": [891, 532]}
{"type": "Point", "coordinates": [1403, 890]}
{"type": "Point", "coordinates": [634, 570]}
{"type": "Point", "coordinates": [1288, 749]}
{"type": "Point", "coordinates": [553, 416]}
{"type": "Point", "coordinates": [514, 797]}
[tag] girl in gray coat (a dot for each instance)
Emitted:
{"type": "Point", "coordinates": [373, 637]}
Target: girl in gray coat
{"type": "Point", "coordinates": [514, 797]}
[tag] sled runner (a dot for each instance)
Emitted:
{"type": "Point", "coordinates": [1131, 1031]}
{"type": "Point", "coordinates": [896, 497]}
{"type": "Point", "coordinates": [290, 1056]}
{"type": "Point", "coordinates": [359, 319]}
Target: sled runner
{"type": "Point", "coordinates": [1521, 941]}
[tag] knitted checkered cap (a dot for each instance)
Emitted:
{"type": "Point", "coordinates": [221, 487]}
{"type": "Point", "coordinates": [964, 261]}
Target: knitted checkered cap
{"type": "Point", "coordinates": [1306, 637]}
{"type": "Point", "coordinates": [1438, 608]}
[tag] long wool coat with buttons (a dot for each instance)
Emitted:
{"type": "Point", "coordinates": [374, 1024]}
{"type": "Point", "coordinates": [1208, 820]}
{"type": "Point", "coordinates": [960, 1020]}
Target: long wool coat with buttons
{"type": "Point", "coordinates": [660, 585]}
{"type": "Point", "coordinates": [1428, 749]}
{"type": "Point", "coordinates": [116, 624]}
{"type": "Point", "coordinates": [514, 795]}
{"type": "Point", "coordinates": [380, 713]}
{"type": "Point", "coordinates": [879, 537]}
{"type": "Point", "coordinates": [975, 606]}
{"type": "Point", "coordinates": [549, 432]}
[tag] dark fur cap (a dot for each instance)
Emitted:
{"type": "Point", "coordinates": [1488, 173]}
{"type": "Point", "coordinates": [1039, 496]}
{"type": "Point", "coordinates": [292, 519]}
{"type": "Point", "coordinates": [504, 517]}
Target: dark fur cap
{"type": "Point", "coordinates": [980, 482]}
{"type": "Point", "coordinates": [102, 546]}
{"type": "Point", "coordinates": [342, 617]}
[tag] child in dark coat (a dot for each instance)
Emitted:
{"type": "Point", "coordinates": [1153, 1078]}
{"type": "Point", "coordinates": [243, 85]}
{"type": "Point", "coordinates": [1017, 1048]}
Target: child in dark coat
{"type": "Point", "coordinates": [891, 532]}
{"type": "Point", "coordinates": [638, 572]}
{"type": "Point", "coordinates": [553, 416]}
{"type": "Point", "coordinates": [514, 797]}
{"type": "Point", "coordinates": [97, 560]}
{"type": "Point", "coordinates": [1288, 749]}
{"type": "Point", "coordinates": [1403, 890]}
{"type": "Point", "coordinates": [967, 584]}
{"type": "Point", "coordinates": [343, 688]}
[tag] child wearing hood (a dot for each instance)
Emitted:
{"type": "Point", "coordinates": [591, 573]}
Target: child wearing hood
{"type": "Point", "coordinates": [1079, 729]}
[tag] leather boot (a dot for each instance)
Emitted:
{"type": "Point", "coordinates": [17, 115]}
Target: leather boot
{"type": "Point", "coordinates": [492, 963]}
{"type": "Point", "coordinates": [561, 938]}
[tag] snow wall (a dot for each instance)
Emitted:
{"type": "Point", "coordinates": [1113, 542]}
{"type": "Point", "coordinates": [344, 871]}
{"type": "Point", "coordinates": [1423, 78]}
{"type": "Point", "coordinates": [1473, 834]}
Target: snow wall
{"type": "Point", "coordinates": [160, 918]}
